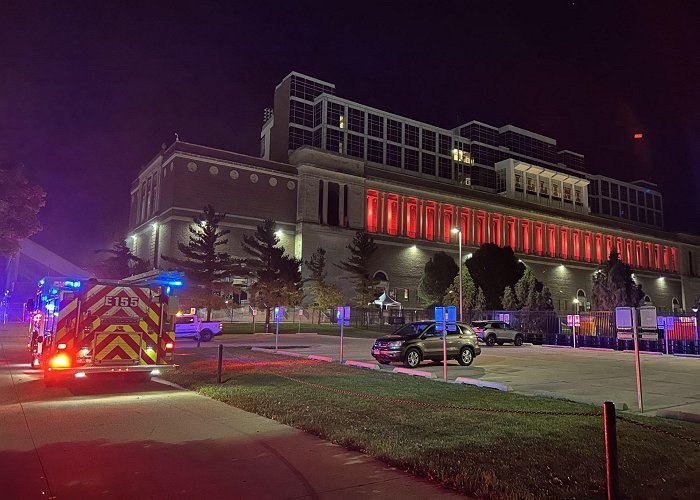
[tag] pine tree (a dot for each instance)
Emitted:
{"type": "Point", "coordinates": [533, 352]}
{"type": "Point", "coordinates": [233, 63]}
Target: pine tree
{"type": "Point", "coordinates": [325, 295]}
{"type": "Point", "coordinates": [509, 301]}
{"type": "Point", "coordinates": [120, 263]}
{"type": "Point", "coordinates": [278, 280]}
{"type": "Point", "coordinates": [205, 268]}
{"type": "Point", "coordinates": [451, 297]}
{"type": "Point", "coordinates": [357, 267]}
{"type": "Point", "coordinates": [531, 294]}
{"type": "Point", "coordinates": [479, 300]}
{"type": "Point", "coordinates": [613, 286]}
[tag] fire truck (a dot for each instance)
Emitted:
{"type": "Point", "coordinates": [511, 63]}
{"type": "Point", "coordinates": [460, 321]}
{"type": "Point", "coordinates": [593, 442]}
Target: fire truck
{"type": "Point", "coordinates": [82, 328]}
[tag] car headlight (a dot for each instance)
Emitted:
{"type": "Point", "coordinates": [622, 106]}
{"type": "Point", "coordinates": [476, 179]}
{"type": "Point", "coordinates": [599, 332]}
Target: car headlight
{"type": "Point", "coordinates": [396, 344]}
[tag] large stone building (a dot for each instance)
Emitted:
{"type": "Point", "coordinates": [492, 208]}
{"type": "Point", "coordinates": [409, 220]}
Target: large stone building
{"type": "Point", "coordinates": [329, 167]}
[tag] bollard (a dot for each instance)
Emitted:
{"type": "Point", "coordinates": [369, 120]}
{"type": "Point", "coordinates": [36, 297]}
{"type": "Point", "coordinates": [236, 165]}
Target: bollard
{"type": "Point", "coordinates": [609, 426]}
{"type": "Point", "coordinates": [221, 359]}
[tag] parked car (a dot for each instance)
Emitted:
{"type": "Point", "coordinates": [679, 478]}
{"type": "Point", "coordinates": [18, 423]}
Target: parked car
{"type": "Point", "coordinates": [187, 326]}
{"type": "Point", "coordinates": [497, 332]}
{"type": "Point", "coordinates": [416, 342]}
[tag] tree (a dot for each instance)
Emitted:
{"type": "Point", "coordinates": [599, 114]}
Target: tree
{"type": "Point", "coordinates": [493, 269]}
{"type": "Point", "coordinates": [613, 286]}
{"type": "Point", "coordinates": [20, 203]}
{"type": "Point", "coordinates": [325, 295]}
{"type": "Point", "coordinates": [206, 268]}
{"type": "Point", "coordinates": [120, 263]}
{"type": "Point", "coordinates": [278, 280]}
{"type": "Point", "coordinates": [479, 300]}
{"type": "Point", "coordinates": [356, 266]}
{"type": "Point", "coordinates": [531, 294]}
{"type": "Point", "coordinates": [438, 274]}
{"type": "Point", "coordinates": [469, 291]}
{"type": "Point", "coordinates": [509, 301]}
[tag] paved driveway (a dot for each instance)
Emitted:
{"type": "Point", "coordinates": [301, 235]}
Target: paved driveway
{"type": "Point", "coordinates": [669, 382]}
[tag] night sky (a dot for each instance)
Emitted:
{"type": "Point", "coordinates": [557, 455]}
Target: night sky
{"type": "Point", "coordinates": [88, 92]}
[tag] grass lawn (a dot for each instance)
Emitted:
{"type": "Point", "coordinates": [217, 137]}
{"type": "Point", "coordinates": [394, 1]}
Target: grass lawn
{"type": "Point", "coordinates": [323, 329]}
{"type": "Point", "coordinates": [483, 454]}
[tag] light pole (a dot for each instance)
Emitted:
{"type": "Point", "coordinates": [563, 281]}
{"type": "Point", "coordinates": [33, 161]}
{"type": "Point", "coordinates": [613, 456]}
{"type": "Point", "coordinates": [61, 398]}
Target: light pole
{"type": "Point", "coordinates": [458, 232]}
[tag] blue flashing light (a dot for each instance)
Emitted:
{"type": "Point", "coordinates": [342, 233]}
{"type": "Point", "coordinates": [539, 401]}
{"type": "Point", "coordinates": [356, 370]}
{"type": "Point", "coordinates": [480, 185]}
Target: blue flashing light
{"type": "Point", "coordinates": [167, 290]}
{"type": "Point", "coordinates": [41, 282]}
{"type": "Point", "coordinates": [175, 283]}
{"type": "Point", "coordinates": [54, 290]}
{"type": "Point", "coordinates": [50, 306]}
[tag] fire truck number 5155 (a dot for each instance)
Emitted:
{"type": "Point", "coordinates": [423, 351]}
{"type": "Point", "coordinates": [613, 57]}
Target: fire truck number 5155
{"type": "Point", "coordinates": [113, 300]}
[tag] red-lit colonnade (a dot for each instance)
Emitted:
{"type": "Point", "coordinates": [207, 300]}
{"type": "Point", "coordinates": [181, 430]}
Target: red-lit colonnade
{"type": "Point", "coordinates": [413, 217]}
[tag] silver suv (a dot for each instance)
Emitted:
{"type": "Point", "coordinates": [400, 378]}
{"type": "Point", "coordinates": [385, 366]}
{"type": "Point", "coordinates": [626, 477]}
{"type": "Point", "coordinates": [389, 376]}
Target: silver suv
{"type": "Point", "coordinates": [497, 332]}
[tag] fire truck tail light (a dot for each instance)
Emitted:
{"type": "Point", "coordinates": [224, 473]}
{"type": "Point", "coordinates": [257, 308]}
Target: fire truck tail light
{"type": "Point", "coordinates": [61, 345]}
{"type": "Point", "coordinates": [60, 361]}
{"type": "Point", "coordinates": [169, 345]}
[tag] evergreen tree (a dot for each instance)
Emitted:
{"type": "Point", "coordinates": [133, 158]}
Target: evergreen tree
{"type": "Point", "coordinates": [509, 301]}
{"type": "Point", "coordinates": [120, 263]}
{"type": "Point", "coordinates": [205, 267]}
{"type": "Point", "coordinates": [531, 294]}
{"type": "Point", "coordinates": [325, 295]}
{"type": "Point", "coordinates": [357, 267]}
{"type": "Point", "coordinates": [20, 203]}
{"type": "Point", "coordinates": [493, 269]}
{"type": "Point", "coordinates": [278, 280]}
{"type": "Point", "coordinates": [613, 286]}
{"type": "Point", "coordinates": [469, 291]}
{"type": "Point", "coordinates": [479, 300]}
{"type": "Point", "coordinates": [438, 274]}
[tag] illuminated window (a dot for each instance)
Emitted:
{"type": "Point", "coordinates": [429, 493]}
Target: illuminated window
{"type": "Point", "coordinates": [552, 240]}
{"type": "Point", "coordinates": [674, 260]}
{"type": "Point", "coordinates": [430, 221]}
{"type": "Point", "coordinates": [480, 228]}
{"type": "Point", "coordinates": [411, 217]}
{"type": "Point", "coordinates": [461, 156]}
{"type": "Point", "coordinates": [392, 214]}
{"type": "Point", "coordinates": [526, 236]}
{"type": "Point", "coordinates": [539, 238]}
{"type": "Point", "coordinates": [599, 248]}
{"type": "Point", "coordinates": [564, 243]}
{"type": "Point", "coordinates": [657, 257]}
{"type": "Point", "coordinates": [465, 225]}
{"type": "Point", "coordinates": [372, 211]}
{"type": "Point", "coordinates": [576, 237]}
{"type": "Point", "coordinates": [496, 229]}
{"type": "Point", "coordinates": [618, 247]}
{"type": "Point", "coordinates": [447, 222]}
{"type": "Point", "coordinates": [628, 245]}
{"type": "Point", "coordinates": [587, 246]}
{"type": "Point", "coordinates": [510, 226]}
{"type": "Point", "coordinates": [342, 121]}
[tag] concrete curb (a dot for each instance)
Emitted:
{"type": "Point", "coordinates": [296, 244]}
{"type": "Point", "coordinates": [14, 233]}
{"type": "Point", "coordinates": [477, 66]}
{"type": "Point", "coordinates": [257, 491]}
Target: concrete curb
{"type": "Point", "coordinates": [558, 346]}
{"type": "Point", "coordinates": [679, 415]}
{"type": "Point", "coordinates": [481, 383]}
{"type": "Point", "coordinates": [159, 380]}
{"type": "Point", "coordinates": [553, 395]}
{"type": "Point", "coordinates": [327, 359]}
{"type": "Point", "coordinates": [680, 355]}
{"type": "Point", "coordinates": [417, 373]}
{"type": "Point", "coordinates": [361, 364]}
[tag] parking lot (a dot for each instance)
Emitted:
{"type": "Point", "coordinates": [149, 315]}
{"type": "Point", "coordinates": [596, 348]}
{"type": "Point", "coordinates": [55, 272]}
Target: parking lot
{"type": "Point", "coordinates": [669, 382]}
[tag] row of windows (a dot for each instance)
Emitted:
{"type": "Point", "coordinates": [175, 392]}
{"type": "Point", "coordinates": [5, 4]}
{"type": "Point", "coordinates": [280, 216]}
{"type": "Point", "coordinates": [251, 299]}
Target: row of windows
{"type": "Point", "coordinates": [625, 194]}
{"type": "Point", "coordinates": [396, 215]}
{"type": "Point", "coordinates": [146, 198]}
{"type": "Point", "coordinates": [624, 211]}
{"type": "Point", "coordinates": [308, 90]}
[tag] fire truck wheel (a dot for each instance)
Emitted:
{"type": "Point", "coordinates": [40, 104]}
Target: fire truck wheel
{"type": "Point", "coordinates": [205, 335]}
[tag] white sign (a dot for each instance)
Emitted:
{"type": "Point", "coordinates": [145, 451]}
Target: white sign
{"type": "Point", "coordinates": [255, 312]}
{"type": "Point", "coordinates": [623, 317]}
{"type": "Point", "coordinates": [648, 318]}
{"type": "Point", "coordinates": [577, 320]}
{"type": "Point", "coordinates": [301, 312]}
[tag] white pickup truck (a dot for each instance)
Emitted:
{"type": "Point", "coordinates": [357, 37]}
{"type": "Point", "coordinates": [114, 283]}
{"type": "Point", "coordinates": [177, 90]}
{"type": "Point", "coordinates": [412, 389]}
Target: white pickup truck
{"type": "Point", "coordinates": [187, 326]}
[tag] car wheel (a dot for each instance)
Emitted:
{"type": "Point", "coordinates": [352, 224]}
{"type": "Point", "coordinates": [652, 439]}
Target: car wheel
{"type": "Point", "coordinates": [412, 358]}
{"type": "Point", "coordinates": [205, 335]}
{"type": "Point", "coordinates": [491, 340]}
{"type": "Point", "coordinates": [466, 356]}
{"type": "Point", "coordinates": [518, 340]}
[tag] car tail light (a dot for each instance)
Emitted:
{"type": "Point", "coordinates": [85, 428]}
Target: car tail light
{"type": "Point", "coordinates": [169, 345]}
{"type": "Point", "coordinates": [60, 361]}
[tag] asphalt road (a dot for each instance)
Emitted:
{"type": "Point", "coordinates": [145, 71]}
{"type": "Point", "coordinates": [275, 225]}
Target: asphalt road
{"type": "Point", "coordinates": [668, 382]}
{"type": "Point", "coordinates": [113, 439]}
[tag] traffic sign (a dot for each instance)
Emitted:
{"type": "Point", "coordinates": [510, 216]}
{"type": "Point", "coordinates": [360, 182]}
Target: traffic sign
{"type": "Point", "coordinates": [279, 314]}
{"type": "Point", "coordinates": [255, 312]}
{"type": "Point", "coordinates": [577, 320]}
{"type": "Point", "coordinates": [451, 318]}
{"type": "Point", "coordinates": [647, 316]}
{"type": "Point", "coordinates": [623, 318]}
{"type": "Point", "coordinates": [343, 315]}
{"type": "Point", "coordinates": [439, 318]}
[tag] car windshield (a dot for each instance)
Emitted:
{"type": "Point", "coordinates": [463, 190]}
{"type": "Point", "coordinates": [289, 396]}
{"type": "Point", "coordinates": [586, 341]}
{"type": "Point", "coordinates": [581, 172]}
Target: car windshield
{"type": "Point", "coordinates": [411, 329]}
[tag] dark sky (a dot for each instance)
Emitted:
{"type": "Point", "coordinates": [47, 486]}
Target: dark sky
{"type": "Point", "coordinates": [89, 91]}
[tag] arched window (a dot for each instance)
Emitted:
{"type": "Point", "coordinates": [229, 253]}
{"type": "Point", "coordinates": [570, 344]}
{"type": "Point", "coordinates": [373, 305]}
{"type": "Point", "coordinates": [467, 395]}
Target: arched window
{"type": "Point", "coordinates": [581, 300]}
{"type": "Point", "coordinates": [380, 276]}
{"type": "Point", "coordinates": [647, 300]}
{"type": "Point", "coordinates": [675, 305]}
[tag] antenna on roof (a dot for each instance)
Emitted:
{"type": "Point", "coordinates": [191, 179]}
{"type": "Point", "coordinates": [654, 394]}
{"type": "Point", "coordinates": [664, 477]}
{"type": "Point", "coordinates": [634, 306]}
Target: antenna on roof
{"type": "Point", "coordinates": [177, 137]}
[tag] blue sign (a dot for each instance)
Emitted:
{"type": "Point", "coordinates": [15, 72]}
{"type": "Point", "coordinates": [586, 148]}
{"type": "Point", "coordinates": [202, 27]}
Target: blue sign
{"type": "Point", "coordinates": [343, 315]}
{"type": "Point", "coordinates": [279, 314]}
{"type": "Point", "coordinates": [451, 318]}
{"type": "Point", "coordinates": [446, 318]}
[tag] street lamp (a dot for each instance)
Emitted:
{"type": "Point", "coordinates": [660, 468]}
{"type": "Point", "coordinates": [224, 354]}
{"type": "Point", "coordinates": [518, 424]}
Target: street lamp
{"type": "Point", "coordinates": [458, 232]}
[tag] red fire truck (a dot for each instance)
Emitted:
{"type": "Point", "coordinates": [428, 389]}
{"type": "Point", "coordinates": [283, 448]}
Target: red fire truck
{"type": "Point", "coordinates": [85, 328]}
